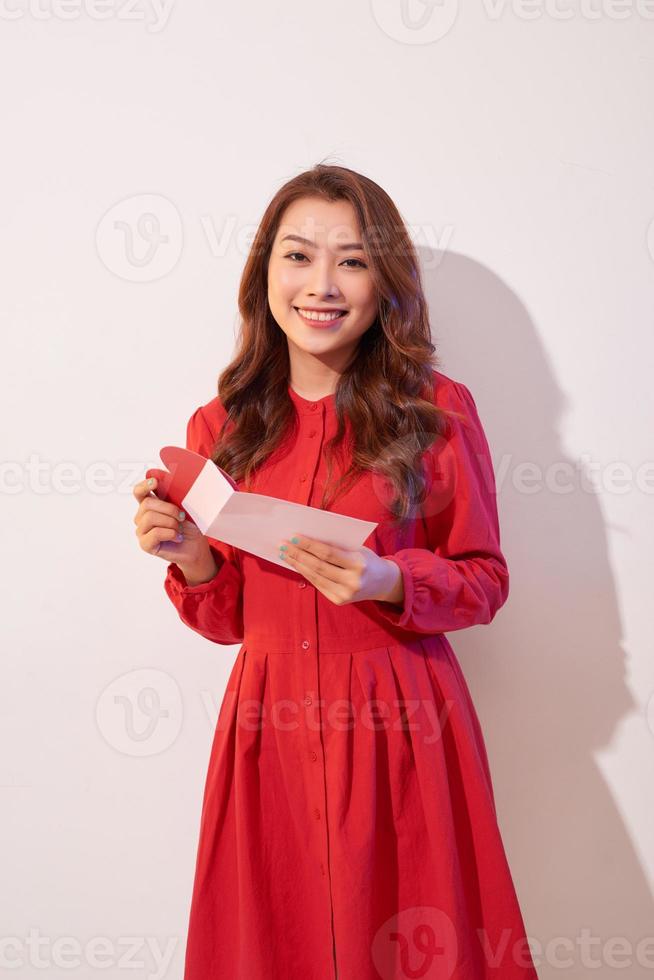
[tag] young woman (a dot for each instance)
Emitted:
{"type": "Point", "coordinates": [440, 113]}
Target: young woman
{"type": "Point", "coordinates": [348, 827]}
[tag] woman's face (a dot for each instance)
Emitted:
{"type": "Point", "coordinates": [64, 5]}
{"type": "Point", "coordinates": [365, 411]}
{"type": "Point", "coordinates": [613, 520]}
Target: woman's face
{"type": "Point", "coordinates": [317, 262]}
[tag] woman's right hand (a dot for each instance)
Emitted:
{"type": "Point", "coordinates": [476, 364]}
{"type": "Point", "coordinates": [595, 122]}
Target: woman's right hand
{"type": "Point", "coordinates": [161, 533]}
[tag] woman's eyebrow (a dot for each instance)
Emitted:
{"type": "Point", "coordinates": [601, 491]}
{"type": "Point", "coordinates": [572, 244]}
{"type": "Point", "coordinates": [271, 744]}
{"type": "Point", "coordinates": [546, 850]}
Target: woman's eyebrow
{"type": "Point", "coordinates": [348, 247]}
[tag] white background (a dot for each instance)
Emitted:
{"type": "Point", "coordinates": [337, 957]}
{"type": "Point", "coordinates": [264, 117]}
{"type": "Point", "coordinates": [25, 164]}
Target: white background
{"type": "Point", "coordinates": [516, 140]}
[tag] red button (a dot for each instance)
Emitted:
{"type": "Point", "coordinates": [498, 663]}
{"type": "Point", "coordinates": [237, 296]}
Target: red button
{"type": "Point", "coordinates": [312, 434]}
{"type": "Point", "coordinates": [313, 407]}
{"type": "Point", "coordinates": [316, 814]}
{"type": "Point", "coordinates": [302, 585]}
{"type": "Point", "coordinates": [305, 644]}
{"type": "Point", "coordinates": [307, 700]}
{"type": "Point", "coordinates": [313, 756]}
{"type": "Point", "coordinates": [303, 478]}
{"type": "Point", "coordinates": [322, 868]}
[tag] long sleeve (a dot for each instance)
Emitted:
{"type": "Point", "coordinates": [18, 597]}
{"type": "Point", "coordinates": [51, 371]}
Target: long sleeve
{"type": "Point", "coordinates": [462, 578]}
{"type": "Point", "coordinates": [215, 608]}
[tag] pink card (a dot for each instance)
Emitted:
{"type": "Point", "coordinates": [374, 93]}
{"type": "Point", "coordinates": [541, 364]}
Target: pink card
{"type": "Point", "coordinates": [252, 522]}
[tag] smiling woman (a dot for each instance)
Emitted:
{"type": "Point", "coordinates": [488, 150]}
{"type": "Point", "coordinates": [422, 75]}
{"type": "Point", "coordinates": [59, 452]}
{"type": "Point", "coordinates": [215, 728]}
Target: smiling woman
{"type": "Point", "coordinates": [348, 825]}
{"type": "Point", "coordinates": [322, 296]}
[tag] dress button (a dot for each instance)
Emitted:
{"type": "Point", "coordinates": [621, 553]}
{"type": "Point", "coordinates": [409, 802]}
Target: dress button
{"type": "Point", "coordinates": [312, 434]}
{"type": "Point", "coordinates": [302, 585]}
{"type": "Point", "coordinates": [305, 644]}
{"type": "Point", "coordinates": [307, 700]}
{"type": "Point", "coordinates": [313, 756]}
{"type": "Point", "coordinates": [322, 868]}
{"type": "Point", "coordinates": [314, 407]}
{"type": "Point", "coordinates": [316, 813]}
{"type": "Point", "coordinates": [303, 478]}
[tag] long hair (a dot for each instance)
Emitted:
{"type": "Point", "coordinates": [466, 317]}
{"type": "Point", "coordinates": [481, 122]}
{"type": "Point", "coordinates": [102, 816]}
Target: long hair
{"type": "Point", "coordinates": [386, 392]}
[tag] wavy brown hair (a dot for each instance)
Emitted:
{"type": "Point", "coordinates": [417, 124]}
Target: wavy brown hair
{"type": "Point", "coordinates": [386, 391]}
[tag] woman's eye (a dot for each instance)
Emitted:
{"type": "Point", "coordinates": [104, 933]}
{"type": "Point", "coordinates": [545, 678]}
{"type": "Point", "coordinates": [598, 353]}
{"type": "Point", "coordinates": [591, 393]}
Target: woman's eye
{"type": "Point", "coordinates": [359, 262]}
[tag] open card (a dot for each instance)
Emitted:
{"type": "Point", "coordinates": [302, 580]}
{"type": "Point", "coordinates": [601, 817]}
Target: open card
{"type": "Point", "coordinates": [250, 521]}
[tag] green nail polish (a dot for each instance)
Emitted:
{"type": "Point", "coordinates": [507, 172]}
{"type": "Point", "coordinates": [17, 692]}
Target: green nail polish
{"type": "Point", "coordinates": [182, 515]}
{"type": "Point", "coordinates": [283, 547]}
{"type": "Point", "coordinates": [295, 540]}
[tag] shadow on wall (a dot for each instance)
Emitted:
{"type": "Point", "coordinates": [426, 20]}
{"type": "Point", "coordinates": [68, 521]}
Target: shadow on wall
{"type": "Point", "coordinates": [548, 675]}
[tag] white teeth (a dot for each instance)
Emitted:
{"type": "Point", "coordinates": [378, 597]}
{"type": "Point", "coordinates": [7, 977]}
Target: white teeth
{"type": "Point", "coordinates": [311, 315]}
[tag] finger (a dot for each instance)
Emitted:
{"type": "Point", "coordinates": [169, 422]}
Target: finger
{"type": "Point", "coordinates": [159, 507]}
{"type": "Point", "coordinates": [309, 565]}
{"type": "Point", "coordinates": [335, 591]}
{"type": "Point", "coordinates": [325, 552]}
{"type": "Point", "coordinates": [158, 536]}
{"type": "Point", "coordinates": [142, 489]}
{"type": "Point", "coordinates": [151, 518]}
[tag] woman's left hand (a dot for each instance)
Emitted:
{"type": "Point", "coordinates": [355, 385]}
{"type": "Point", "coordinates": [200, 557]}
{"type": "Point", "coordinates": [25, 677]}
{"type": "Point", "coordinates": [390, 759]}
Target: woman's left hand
{"type": "Point", "coordinates": [343, 575]}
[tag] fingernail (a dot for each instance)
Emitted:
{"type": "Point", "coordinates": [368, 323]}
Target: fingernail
{"type": "Point", "coordinates": [151, 481]}
{"type": "Point", "coordinates": [179, 537]}
{"type": "Point", "coordinates": [295, 540]}
{"type": "Point", "coordinates": [283, 547]}
{"type": "Point", "coordinates": [182, 515]}
{"type": "Point", "coordinates": [282, 555]}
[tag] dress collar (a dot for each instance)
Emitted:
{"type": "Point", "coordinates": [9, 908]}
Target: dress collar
{"type": "Point", "coordinates": [305, 407]}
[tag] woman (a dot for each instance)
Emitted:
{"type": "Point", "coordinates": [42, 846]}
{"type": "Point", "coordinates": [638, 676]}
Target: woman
{"type": "Point", "coordinates": [348, 826]}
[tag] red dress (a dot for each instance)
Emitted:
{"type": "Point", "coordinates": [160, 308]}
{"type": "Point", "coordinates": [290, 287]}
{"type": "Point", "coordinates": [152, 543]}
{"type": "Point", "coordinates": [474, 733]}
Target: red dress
{"type": "Point", "coordinates": [348, 827]}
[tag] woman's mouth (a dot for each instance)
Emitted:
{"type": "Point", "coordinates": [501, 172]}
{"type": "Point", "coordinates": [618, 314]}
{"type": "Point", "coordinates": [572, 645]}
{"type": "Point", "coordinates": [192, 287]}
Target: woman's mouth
{"type": "Point", "coordinates": [328, 318]}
